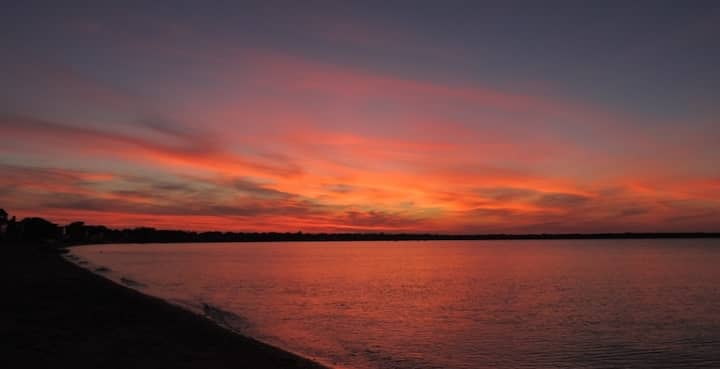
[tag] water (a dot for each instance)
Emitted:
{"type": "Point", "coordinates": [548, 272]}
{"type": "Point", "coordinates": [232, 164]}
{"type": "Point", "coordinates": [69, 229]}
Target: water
{"type": "Point", "coordinates": [450, 304]}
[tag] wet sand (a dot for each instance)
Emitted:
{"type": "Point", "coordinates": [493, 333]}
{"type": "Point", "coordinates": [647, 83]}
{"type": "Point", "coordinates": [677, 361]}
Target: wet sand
{"type": "Point", "coordinates": [55, 314]}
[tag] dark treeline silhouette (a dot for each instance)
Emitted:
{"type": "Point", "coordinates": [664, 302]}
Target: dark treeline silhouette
{"type": "Point", "coordinates": [40, 231]}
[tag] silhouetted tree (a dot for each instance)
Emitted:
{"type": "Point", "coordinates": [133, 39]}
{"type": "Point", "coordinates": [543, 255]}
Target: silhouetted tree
{"type": "Point", "coordinates": [3, 224]}
{"type": "Point", "coordinates": [75, 232]}
{"type": "Point", "coordinates": [35, 230]}
{"type": "Point", "coordinates": [39, 229]}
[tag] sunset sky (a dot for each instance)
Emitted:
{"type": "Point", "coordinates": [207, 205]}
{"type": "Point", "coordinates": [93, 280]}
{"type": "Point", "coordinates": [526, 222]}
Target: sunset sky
{"type": "Point", "coordinates": [407, 116]}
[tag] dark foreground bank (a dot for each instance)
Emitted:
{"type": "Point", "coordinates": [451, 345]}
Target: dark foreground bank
{"type": "Point", "coordinates": [54, 314]}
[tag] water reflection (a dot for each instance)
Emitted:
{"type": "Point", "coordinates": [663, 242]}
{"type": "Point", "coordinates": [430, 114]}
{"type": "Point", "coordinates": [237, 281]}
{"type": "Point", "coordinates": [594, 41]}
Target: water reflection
{"type": "Point", "coordinates": [454, 304]}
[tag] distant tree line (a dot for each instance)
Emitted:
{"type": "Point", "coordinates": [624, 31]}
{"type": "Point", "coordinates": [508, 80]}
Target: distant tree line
{"type": "Point", "coordinates": [34, 230]}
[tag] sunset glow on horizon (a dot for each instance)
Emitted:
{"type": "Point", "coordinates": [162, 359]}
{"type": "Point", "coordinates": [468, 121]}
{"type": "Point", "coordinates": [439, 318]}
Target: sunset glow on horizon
{"type": "Point", "coordinates": [345, 118]}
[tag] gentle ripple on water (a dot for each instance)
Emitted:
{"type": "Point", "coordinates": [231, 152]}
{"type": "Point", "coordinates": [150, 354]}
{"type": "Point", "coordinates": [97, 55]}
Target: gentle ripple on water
{"type": "Point", "coordinates": [452, 304]}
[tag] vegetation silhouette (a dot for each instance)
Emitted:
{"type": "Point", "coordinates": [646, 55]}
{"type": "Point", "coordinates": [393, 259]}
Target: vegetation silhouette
{"type": "Point", "coordinates": [35, 230]}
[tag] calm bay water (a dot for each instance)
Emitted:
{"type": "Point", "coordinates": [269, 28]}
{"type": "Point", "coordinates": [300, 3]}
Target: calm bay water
{"type": "Point", "coordinates": [449, 304]}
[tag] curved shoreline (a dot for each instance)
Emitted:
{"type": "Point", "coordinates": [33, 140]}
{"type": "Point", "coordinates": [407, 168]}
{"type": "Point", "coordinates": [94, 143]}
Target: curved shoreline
{"type": "Point", "coordinates": [200, 311]}
{"type": "Point", "coordinates": [61, 314]}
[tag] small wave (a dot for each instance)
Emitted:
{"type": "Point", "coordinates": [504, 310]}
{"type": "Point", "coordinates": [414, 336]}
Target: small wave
{"type": "Point", "coordinates": [225, 318]}
{"type": "Point", "coordinates": [131, 283]}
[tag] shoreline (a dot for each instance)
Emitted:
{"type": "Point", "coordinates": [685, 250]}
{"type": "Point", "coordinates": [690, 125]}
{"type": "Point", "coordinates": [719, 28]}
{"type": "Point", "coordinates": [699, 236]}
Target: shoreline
{"type": "Point", "coordinates": [58, 313]}
{"type": "Point", "coordinates": [200, 311]}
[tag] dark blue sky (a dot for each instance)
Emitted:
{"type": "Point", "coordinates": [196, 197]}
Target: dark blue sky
{"type": "Point", "coordinates": [655, 57]}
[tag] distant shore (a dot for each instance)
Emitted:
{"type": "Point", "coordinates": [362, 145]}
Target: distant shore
{"type": "Point", "coordinates": [56, 314]}
{"type": "Point", "coordinates": [41, 231]}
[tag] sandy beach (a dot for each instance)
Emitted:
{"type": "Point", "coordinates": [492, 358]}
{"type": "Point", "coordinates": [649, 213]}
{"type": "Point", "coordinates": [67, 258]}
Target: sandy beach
{"type": "Point", "coordinates": [56, 314]}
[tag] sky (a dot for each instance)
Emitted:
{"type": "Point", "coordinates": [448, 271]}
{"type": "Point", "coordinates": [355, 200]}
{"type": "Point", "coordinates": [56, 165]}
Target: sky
{"type": "Point", "coordinates": [339, 116]}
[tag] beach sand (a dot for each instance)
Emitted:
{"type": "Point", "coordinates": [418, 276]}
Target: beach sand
{"type": "Point", "coordinates": [55, 314]}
